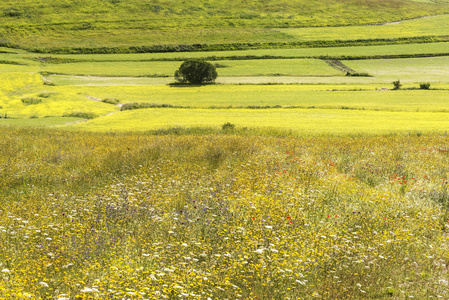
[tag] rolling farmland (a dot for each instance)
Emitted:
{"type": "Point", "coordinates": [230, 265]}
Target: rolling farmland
{"type": "Point", "coordinates": [315, 167]}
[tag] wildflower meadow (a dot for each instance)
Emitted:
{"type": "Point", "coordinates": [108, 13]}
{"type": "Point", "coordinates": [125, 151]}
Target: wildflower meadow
{"type": "Point", "coordinates": [135, 216]}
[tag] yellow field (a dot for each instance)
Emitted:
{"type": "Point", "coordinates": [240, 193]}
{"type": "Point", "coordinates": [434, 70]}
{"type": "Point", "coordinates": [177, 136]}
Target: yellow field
{"type": "Point", "coordinates": [320, 109]}
{"type": "Point", "coordinates": [298, 121]}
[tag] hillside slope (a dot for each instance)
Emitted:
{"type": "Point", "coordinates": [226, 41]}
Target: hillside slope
{"type": "Point", "coordinates": [64, 23]}
{"type": "Point", "coordinates": [217, 13]}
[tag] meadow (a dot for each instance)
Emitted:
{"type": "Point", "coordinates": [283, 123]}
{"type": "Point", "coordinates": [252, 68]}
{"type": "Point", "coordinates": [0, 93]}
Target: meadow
{"type": "Point", "coordinates": [52, 24]}
{"type": "Point", "coordinates": [93, 216]}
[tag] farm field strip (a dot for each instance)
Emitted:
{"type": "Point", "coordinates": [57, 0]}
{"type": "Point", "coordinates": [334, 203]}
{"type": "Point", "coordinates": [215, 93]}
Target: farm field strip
{"type": "Point", "coordinates": [410, 70]}
{"type": "Point", "coordinates": [432, 69]}
{"type": "Point", "coordinates": [336, 82]}
{"type": "Point", "coordinates": [300, 121]}
{"type": "Point", "coordinates": [62, 100]}
{"type": "Point", "coordinates": [358, 51]}
{"type": "Point", "coordinates": [290, 67]}
{"type": "Point", "coordinates": [404, 49]}
{"type": "Point", "coordinates": [430, 26]}
{"type": "Point", "coordinates": [320, 96]}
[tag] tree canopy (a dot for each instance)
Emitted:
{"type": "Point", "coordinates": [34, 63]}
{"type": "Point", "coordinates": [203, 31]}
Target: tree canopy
{"type": "Point", "coordinates": [196, 71]}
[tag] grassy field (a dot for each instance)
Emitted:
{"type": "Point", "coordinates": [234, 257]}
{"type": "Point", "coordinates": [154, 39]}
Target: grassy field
{"type": "Point", "coordinates": [411, 70]}
{"type": "Point", "coordinates": [434, 69]}
{"type": "Point", "coordinates": [31, 98]}
{"type": "Point", "coordinates": [405, 49]}
{"type": "Point", "coordinates": [319, 96]}
{"type": "Point", "coordinates": [227, 68]}
{"type": "Point", "coordinates": [315, 122]}
{"type": "Point", "coordinates": [27, 95]}
{"type": "Point", "coordinates": [58, 24]}
{"type": "Point", "coordinates": [281, 69]}
{"type": "Point", "coordinates": [432, 26]}
{"type": "Point", "coordinates": [94, 216]}
{"type": "Point", "coordinates": [24, 57]}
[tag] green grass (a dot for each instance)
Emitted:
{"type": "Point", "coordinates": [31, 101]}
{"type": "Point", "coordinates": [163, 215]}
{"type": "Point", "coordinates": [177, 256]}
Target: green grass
{"type": "Point", "coordinates": [132, 65]}
{"type": "Point", "coordinates": [298, 121]}
{"type": "Point", "coordinates": [434, 69]}
{"type": "Point", "coordinates": [297, 67]}
{"type": "Point", "coordinates": [50, 24]}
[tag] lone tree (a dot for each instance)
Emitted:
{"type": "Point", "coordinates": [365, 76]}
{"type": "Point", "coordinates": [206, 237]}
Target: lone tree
{"type": "Point", "coordinates": [196, 71]}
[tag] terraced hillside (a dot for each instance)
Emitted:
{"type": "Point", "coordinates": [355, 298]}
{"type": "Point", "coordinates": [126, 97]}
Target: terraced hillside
{"type": "Point", "coordinates": [109, 23]}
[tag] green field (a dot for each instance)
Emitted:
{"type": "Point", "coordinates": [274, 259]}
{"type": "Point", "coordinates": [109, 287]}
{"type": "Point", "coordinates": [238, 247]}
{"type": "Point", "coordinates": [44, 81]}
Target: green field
{"type": "Point", "coordinates": [359, 51]}
{"type": "Point", "coordinates": [59, 24]}
{"type": "Point", "coordinates": [408, 70]}
{"type": "Point", "coordinates": [432, 26]}
{"type": "Point", "coordinates": [296, 67]}
{"type": "Point", "coordinates": [283, 68]}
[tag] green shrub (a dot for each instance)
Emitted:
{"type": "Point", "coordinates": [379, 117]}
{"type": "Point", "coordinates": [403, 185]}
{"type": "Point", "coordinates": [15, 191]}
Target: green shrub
{"type": "Point", "coordinates": [12, 12]}
{"type": "Point", "coordinates": [45, 95]}
{"type": "Point", "coordinates": [424, 85]}
{"type": "Point", "coordinates": [111, 101]}
{"type": "Point", "coordinates": [130, 106]}
{"type": "Point", "coordinates": [358, 74]}
{"type": "Point", "coordinates": [81, 115]}
{"type": "Point", "coordinates": [228, 126]}
{"type": "Point", "coordinates": [397, 84]}
{"type": "Point", "coordinates": [31, 100]}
